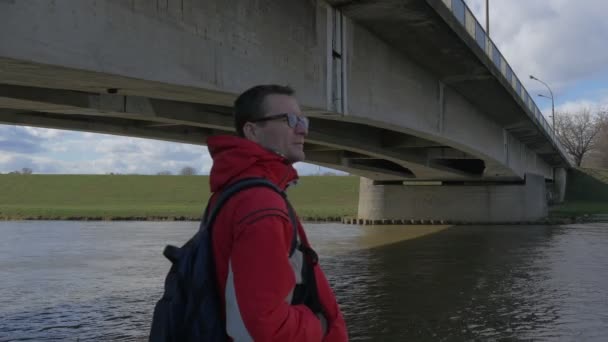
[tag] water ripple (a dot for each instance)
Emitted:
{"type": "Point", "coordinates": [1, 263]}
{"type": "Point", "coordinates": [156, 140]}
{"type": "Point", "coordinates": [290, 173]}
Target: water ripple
{"type": "Point", "coordinates": [99, 281]}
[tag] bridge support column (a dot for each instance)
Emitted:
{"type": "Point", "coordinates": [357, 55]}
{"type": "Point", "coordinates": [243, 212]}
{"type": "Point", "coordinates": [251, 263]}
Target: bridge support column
{"type": "Point", "coordinates": [465, 203]}
{"type": "Point", "coordinates": [559, 185]}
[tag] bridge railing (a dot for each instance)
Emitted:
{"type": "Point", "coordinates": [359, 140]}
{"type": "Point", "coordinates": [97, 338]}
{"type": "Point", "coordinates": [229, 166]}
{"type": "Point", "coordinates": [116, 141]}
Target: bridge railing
{"type": "Point", "coordinates": [465, 17]}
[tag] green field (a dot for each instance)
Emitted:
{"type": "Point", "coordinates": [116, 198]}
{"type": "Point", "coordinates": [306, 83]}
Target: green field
{"type": "Point", "coordinates": [586, 193]}
{"type": "Point", "coordinates": [152, 197]}
{"type": "Point", "coordinates": [116, 197]}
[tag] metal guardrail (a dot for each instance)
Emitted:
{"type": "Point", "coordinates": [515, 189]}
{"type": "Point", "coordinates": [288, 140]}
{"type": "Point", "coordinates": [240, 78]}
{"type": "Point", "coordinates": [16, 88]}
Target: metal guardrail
{"type": "Point", "coordinates": [465, 16]}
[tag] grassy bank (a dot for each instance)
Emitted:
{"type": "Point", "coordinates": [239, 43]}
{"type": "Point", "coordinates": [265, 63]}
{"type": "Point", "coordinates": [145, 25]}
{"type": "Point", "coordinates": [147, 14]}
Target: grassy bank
{"type": "Point", "coordinates": [183, 197]}
{"type": "Point", "coordinates": [586, 194]}
{"type": "Point", "coordinates": [151, 197]}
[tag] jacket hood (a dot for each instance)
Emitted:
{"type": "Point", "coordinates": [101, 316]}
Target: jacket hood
{"type": "Point", "coordinates": [236, 158]}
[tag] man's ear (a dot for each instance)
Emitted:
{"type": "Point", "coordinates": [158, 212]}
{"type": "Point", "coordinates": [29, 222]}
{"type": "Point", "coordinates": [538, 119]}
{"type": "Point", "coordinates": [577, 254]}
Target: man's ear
{"type": "Point", "coordinates": [250, 131]}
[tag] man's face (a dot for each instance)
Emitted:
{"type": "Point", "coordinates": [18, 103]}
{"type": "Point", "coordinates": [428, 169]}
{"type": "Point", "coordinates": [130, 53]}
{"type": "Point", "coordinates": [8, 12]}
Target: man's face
{"type": "Point", "coordinates": [276, 134]}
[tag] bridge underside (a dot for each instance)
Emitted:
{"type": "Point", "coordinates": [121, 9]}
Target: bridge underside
{"type": "Point", "coordinates": [372, 152]}
{"type": "Point", "coordinates": [397, 91]}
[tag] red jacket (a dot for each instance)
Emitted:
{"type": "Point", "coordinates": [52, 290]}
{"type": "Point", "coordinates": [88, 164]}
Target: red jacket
{"type": "Point", "coordinates": [252, 237]}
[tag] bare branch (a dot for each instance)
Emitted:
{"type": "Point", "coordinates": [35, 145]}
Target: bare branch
{"type": "Point", "coordinates": [578, 131]}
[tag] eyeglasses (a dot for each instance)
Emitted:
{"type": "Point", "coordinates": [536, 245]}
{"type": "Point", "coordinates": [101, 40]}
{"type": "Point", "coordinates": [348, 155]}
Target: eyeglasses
{"type": "Point", "coordinates": [292, 119]}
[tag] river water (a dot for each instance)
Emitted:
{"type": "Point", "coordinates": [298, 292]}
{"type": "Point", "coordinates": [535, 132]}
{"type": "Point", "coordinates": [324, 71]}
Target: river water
{"type": "Point", "coordinates": [98, 281]}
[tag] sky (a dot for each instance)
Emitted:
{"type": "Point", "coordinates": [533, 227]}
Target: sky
{"type": "Point", "coordinates": [562, 42]}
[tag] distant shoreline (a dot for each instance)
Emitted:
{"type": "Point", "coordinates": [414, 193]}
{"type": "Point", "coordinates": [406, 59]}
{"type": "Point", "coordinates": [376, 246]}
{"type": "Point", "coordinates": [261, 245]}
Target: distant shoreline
{"type": "Point", "coordinates": [154, 198]}
{"type": "Point", "coordinates": [551, 221]}
{"type": "Point", "coordinates": [145, 219]}
{"type": "Point", "coordinates": [182, 198]}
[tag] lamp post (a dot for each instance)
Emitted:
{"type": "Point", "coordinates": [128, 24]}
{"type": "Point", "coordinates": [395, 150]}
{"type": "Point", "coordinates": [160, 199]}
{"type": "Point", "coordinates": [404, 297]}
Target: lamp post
{"type": "Point", "coordinates": [487, 18]}
{"type": "Point", "coordinates": [545, 96]}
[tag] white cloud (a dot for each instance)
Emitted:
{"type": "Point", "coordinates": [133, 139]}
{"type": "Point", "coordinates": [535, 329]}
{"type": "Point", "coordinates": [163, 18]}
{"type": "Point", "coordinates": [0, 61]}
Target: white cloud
{"type": "Point", "coordinates": [575, 106]}
{"type": "Point", "coordinates": [44, 133]}
{"type": "Point", "coordinates": [16, 162]}
{"type": "Point", "coordinates": [561, 42]}
{"type": "Point", "coordinates": [88, 153]}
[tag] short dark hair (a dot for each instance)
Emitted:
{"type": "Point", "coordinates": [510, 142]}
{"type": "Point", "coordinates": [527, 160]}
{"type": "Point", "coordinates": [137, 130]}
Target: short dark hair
{"type": "Point", "coordinates": [250, 104]}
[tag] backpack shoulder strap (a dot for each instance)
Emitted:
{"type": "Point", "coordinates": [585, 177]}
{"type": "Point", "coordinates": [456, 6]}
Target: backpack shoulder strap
{"type": "Point", "coordinates": [210, 214]}
{"type": "Point", "coordinates": [294, 223]}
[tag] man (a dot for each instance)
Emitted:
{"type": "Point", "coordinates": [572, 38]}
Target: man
{"type": "Point", "coordinates": [252, 235]}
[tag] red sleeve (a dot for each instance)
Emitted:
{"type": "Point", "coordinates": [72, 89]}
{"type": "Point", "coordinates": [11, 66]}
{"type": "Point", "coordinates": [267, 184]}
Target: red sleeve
{"type": "Point", "coordinates": [260, 279]}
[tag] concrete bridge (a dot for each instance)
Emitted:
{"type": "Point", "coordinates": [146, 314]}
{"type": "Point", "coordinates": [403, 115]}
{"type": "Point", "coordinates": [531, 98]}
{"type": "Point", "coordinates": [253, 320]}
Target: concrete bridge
{"type": "Point", "coordinates": [411, 95]}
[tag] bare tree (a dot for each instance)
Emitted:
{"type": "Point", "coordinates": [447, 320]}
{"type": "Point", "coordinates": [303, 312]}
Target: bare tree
{"type": "Point", "coordinates": [23, 171]}
{"type": "Point", "coordinates": [601, 151]}
{"type": "Point", "coordinates": [187, 171]}
{"type": "Point", "coordinates": [578, 131]}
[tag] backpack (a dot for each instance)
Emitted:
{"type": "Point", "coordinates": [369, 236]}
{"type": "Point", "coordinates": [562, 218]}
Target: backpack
{"type": "Point", "coordinates": [190, 308]}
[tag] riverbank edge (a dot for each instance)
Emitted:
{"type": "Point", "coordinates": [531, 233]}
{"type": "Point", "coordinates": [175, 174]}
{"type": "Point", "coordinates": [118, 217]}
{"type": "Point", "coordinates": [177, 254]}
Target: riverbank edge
{"type": "Point", "coordinates": [331, 219]}
{"type": "Point", "coordinates": [140, 218]}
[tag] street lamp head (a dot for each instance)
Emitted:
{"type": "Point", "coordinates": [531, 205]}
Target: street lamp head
{"type": "Point", "coordinates": [551, 98]}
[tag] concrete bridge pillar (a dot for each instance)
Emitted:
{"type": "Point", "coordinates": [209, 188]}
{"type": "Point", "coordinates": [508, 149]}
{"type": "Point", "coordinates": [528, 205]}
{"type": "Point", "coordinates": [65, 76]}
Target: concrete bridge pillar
{"type": "Point", "coordinates": [559, 185]}
{"type": "Point", "coordinates": [468, 203]}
